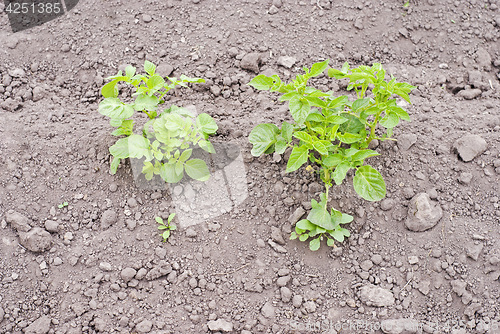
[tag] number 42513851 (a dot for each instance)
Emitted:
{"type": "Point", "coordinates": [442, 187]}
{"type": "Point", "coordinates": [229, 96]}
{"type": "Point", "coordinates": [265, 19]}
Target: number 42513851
{"type": "Point", "coordinates": [32, 8]}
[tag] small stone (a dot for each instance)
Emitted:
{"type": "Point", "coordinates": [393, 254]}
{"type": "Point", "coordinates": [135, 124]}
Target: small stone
{"type": "Point", "coordinates": [144, 326]}
{"type": "Point", "coordinates": [276, 247]}
{"type": "Point", "coordinates": [377, 259]}
{"type": "Point", "coordinates": [470, 146]}
{"type": "Point", "coordinates": [387, 204]}
{"type": "Point", "coordinates": [132, 202]}
{"type": "Point", "coordinates": [358, 24]}
{"type": "Point", "coordinates": [251, 62]}
{"type": "Point", "coordinates": [261, 243]}
{"type": "Point", "coordinates": [268, 310]}
{"type": "Point", "coordinates": [214, 89]}
{"type": "Point", "coordinates": [164, 69]}
{"type": "Point", "coordinates": [469, 94]}
{"type": "Point", "coordinates": [400, 326]}
{"type": "Point", "coordinates": [128, 274]}
{"type": "Point", "coordinates": [310, 306]}
{"type": "Point", "coordinates": [17, 73]}
{"type": "Point", "coordinates": [473, 251]}
{"type": "Point", "coordinates": [220, 325]}
{"type": "Point", "coordinates": [406, 141]}
{"type": "Point", "coordinates": [105, 266]}
{"type": "Point", "coordinates": [465, 178]}
{"type": "Point", "coordinates": [113, 187]}
{"type": "Point", "coordinates": [273, 10]}
{"type": "Point", "coordinates": [283, 281]}
{"type": "Point", "coordinates": [191, 233]}
{"type": "Point", "coordinates": [38, 93]}
{"type": "Point", "coordinates": [296, 215]}
{"type": "Point", "coordinates": [278, 3]}
{"type": "Point", "coordinates": [423, 213]}
{"type": "Point", "coordinates": [277, 236]}
{"type": "Point", "coordinates": [372, 295]}
{"type": "Point", "coordinates": [286, 294]}
{"type": "Point", "coordinates": [297, 301]}
{"type": "Point", "coordinates": [366, 265]}
{"type": "Point", "coordinates": [458, 287]}
{"type": "Point", "coordinates": [108, 218]}
{"type": "Point", "coordinates": [483, 59]}
{"type": "Point", "coordinates": [66, 48]}
{"type": "Point", "coordinates": [36, 240]}
{"type": "Point", "coordinates": [52, 226]}
{"type": "Point", "coordinates": [39, 326]}
{"type": "Point", "coordinates": [413, 259]}
{"type": "Point", "coordinates": [287, 61]}
{"type": "Point", "coordinates": [57, 261]}
{"type": "Point", "coordinates": [350, 302]}
{"type": "Point", "coordinates": [2, 314]}
{"type": "Point", "coordinates": [146, 18]}
{"type": "Point", "coordinates": [424, 287]}
{"type": "Point", "coordinates": [19, 222]}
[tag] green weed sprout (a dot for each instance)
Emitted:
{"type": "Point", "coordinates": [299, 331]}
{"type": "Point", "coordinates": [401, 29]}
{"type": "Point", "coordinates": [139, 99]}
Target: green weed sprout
{"type": "Point", "coordinates": [166, 228]}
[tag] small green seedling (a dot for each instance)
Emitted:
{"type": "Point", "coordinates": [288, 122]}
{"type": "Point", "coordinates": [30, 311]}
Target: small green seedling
{"type": "Point", "coordinates": [167, 139]}
{"type": "Point", "coordinates": [65, 204]}
{"type": "Point", "coordinates": [166, 228]}
{"type": "Point", "coordinates": [333, 134]}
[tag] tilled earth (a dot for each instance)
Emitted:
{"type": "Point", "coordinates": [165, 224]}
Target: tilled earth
{"type": "Point", "coordinates": [98, 264]}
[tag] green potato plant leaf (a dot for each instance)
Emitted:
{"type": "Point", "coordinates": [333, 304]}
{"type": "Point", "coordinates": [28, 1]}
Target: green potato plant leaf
{"type": "Point", "coordinates": [263, 136]}
{"type": "Point", "coordinates": [369, 183]}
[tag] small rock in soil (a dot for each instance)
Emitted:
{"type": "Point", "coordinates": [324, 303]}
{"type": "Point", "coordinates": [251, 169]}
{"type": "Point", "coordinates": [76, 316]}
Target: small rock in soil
{"type": "Point", "coordinates": [220, 325]}
{"type": "Point", "coordinates": [277, 236]}
{"type": "Point", "coordinates": [372, 295]}
{"type": "Point", "coordinates": [276, 247]}
{"type": "Point", "coordinates": [474, 251]}
{"type": "Point", "coordinates": [405, 141]}
{"type": "Point", "coordinates": [287, 61]}
{"type": "Point", "coordinates": [52, 226]}
{"type": "Point", "coordinates": [286, 294]}
{"type": "Point", "coordinates": [297, 301]}
{"type": "Point", "coordinates": [164, 69]}
{"type": "Point", "coordinates": [251, 62]}
{"type": "Point", "coordinates": [296, 215]}
{"type": "Point", "coordinates": [268, 310]}
{"type": "Point", "coordinates": [146, 18]}
{"type": "Point", "coordinates": [105, 266]}
{"type": "Point", "coordinates": [39, 326]}
{"type": "Point", "coordinates": [18, 221]}
{"type": "Point", "coordinates": [399, 326]}
{"type": "Point", "coordinates": [128, 274]}
{"type": "Point", "coordinates": [465, 178]}
{"type": "Point", "coordinates": [387, 204]}
{"type": "Point", "coordinates": [469, 94]}
{"type": "Point", "coordinates": [108, 218]}
{"type": "Point", "coordinates": [470, 146]}
{"type": "Point", "coordinates": [283, 281]}
{"type": "Point", "coordinates": [2, 314]}
{"type": "Point", "coordinates": [36, 240]}
{"type": "Point", "coordinates": [144, 326]}
{"type": "Point", "coordinates": [377, 259]}
{"type": "Point", "coordinates": [423, 213]}
{"type": "Point", "coordinates": [458, 287]}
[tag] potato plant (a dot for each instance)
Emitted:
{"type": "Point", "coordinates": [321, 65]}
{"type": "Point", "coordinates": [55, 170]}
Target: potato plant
{"type": "Point", "coordinates": [167, 139]}
{"type": "Point", "coordinates": [333, 134]}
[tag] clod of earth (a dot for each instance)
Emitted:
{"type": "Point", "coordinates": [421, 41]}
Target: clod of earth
{"type": "Point", "coordinates": [372, 295]}
{"type": "Point", "coordinates": [423, 213]}
{"type": "Point", "coordinates": [36, 240]}
{"type": "Point", "coordinates": [470, 146]}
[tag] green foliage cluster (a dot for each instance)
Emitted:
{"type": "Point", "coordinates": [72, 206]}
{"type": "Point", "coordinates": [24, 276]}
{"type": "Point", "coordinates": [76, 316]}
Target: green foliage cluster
{"type": "Point", "coordinates": [333, 134]}
{"type": "Point", "coordinates": [166, 227]}
{"type": "Point", "coordinates": [167, 139]}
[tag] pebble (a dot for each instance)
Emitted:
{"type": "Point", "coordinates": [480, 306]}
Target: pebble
{"type": "Point", "coordinates": [358, 24]}
{"type": "Point", "coordinates": [57, 261]}
{"type": "Point", "coordinates": [387, 204]}
{"type": "Point", "coordinates": [287, 61]}
{"type": "Point", "coordinates": [277, 236]}
{"type": "Point", "coordinates": [406, 141]}
{"type": "Point", "coordinates": [17, 73]}
{"type": "Point", "coordinates": [113, 187]}
{"type": "Point", "coordinates": [470, 146]}
{"type": "Point", "coordinates": [38, 93]}
{"type": "Point", "coordinates": [310, 306]}
{"type": "Point", "coordinates": [144, 326]}
{"type": "Point", "coordinates": [297, 301]}
{"type": "Point", "coordinates": [105, 266]}
{"type": "Point", "coordinates": [128, 274]}
{"type": "Point", "coordinates": [278, 4]}
{"type": "Point", "coordinates": [296, 215]}
{"type": "Point", "coordinates": [465, 178]}
{"type": "Point", "coordinates": [366, 265]}
{"type": "Point", "coordinates": [377, 259]}
{"type": "Point", "coordinates": [286, 294]}
{"type": "Point", "coordinates": [474, 251]}
{"type": "Point", "coordinates": [251, 62]}
{"type": "Point", "coordinates": [2, 314]}
{"type": "Point", "coordinates": [36, 240]}
{"type": "Point", "coordinates": [261, 243]}
{"type": "Point", "coordinates": [372, 295]}
{"type": "Point", "coordinates": [400, 326]}
{"type": "Point", "coordinates": [413, 259]}
{"type": "Point", "coordinates": [164, 69]}
{"type": "Point", "coordinates": [191, 233]}
{"type": "Point", "coordinates": [276, 247]}
{"type": "Point", "coordinates": [108, 218]}
{"type": "Point", "coordinates": [423, 213]}
{"type": "Point", "coordinates": [146, 18]}
{"type": "Point", "coordinates": [273, 10]}
{"type": "Point", "coordinates": [39, 326]}
{"type": "Point", "coordinates": [19, 222]}
{"type": "Point", "coordinates": [66, 48]}
{"type": "Point", "coordinates": [220, 325]}
{"type": "Point", "coordinates": [132, 202]}
{"type": "Point", "coordinates": [469, 94]}
{"type": "Point", "coordinates": [52, 226]}
{"type": "Point", "coordinates": [268, 310]}
{"type": "Point", "coordinates": [283, 281]}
